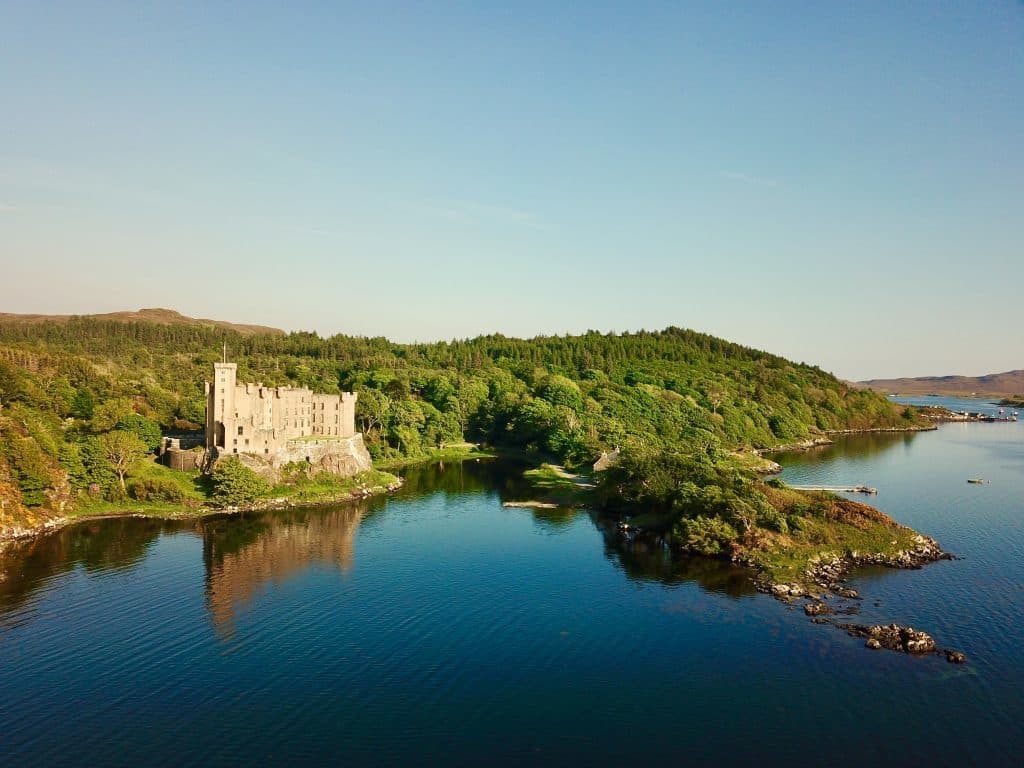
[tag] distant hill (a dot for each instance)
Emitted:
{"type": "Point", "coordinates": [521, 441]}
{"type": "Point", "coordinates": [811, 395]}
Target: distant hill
{"type": "Point", "coordinates": [991, 385]}
{"type": "Point", "coordinates": [154, 315]}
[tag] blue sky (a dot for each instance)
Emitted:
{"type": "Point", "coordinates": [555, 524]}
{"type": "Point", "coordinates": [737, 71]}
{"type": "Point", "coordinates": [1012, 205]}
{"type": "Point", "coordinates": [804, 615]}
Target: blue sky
{"type": "Point", "coordinates": [840, 183]}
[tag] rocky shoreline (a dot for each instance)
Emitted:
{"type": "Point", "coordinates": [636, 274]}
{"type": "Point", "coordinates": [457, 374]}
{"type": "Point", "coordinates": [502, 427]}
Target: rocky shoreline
{"type": "Point", "coordinates": [873, 430]}
{"type": "Point", "coordinates": [804, 445]}
{"type": "Point", "coordinates": [818, 442]}
{"type": "Point", "coordinates": [827, 575]}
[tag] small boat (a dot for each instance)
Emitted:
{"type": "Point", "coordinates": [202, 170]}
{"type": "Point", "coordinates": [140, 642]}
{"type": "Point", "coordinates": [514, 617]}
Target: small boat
{"type": "Point", "coordinates": [978, 481]}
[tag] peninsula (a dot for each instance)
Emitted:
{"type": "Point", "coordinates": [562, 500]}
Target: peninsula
{"type": "Point", "coordinates": [87, 403]}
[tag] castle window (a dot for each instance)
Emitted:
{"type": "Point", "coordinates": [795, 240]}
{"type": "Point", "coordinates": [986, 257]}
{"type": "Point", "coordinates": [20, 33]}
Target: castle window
{"type": "Point", "coordinates": [266, 450]}
{"type": "Point", "coordinates": [240, 430]}
{"type": "Point", "coordinates": [235, 441]}
{"type": "Point", "coordinates": [247, 442]}
{"type": "Point", "coordinates": [235, 450]}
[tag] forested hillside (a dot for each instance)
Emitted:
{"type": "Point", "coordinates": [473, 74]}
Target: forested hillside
{"type": "Point", "coordinates": [66, 387]}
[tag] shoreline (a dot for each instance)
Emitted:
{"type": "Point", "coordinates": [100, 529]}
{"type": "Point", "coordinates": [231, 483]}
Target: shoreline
{"type": "Point", "coordinates": [818, 442]}
{"type": "Point", "coordinates": [827, 597]}
{"type": "Point", "coordinates": [460, 452]}
{"type": "Point", "coordinates": [457, 452]}
{"type": "Point", "coordinates": [184, 512]}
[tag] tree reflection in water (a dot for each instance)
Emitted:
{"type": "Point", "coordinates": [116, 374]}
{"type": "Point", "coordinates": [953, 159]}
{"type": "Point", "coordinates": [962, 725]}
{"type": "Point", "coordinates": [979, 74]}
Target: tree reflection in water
{"type": "Point", "coordinates": [244, 554]}
{"type": "Point", "coordinates": [95, 545]}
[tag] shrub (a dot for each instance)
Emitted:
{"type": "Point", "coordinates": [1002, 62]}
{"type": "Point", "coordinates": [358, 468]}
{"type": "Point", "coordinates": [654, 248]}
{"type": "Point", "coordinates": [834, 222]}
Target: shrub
{"type": "Point", "coordinates": [772, 519]}
{"type": "Point", "coordinates": [795, 522]}
{"type": "Point", "coordinates": [235, 484]}
{"type": "Point", "coordinates": [799, 508]}
{"type": "Point", "coordinates": [116, 493]}
{"type": "Point", "coordinates": [295, 473]}
{"type": "Point", "coordinates": [705, 535]}
{"type": "Point", "coordinates": [155, 489]}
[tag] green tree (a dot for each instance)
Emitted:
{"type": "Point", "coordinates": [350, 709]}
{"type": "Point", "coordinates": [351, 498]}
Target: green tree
{"type": "Point", "coordinates": [372, 409]}
{"type": "Point", "coordinates": [97, 468]}
{"type": "Point", "coordinates": [32, 472]}
{"type": "Point", "coordinates": [83, 405]}
{"type": "Point", "coordinates": [70, 457]}
{"type": "Point", "coordinates": [147, 430]}
{"type": "Point", "coordinates": [122, 450]}
{"type": "Point", "coordinates": [108, 414]}
{"type": "Point", "coordinates": [62, 395]}
{"type": "Point", "coordinates": [235, 484]}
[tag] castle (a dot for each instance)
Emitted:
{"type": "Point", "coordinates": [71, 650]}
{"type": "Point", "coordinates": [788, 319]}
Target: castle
{"type": "Point", "coordinates": [266, 421]}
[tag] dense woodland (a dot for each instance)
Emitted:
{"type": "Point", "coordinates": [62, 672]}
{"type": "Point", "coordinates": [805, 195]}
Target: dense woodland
{"type": "Point", "coordinates": [79, 400]}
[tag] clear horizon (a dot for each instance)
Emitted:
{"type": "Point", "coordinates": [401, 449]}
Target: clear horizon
{"type": "Point", "coordinates": [837, 185]}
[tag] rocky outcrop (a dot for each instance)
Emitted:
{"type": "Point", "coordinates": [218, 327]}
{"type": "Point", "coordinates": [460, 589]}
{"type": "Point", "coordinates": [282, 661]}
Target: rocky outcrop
{"type": "Point", "coordinates": [829, 571]}
{"type": "Point", "coordinates": [893, 637]}
{"type": "Point", "coordinates": [342, 456]}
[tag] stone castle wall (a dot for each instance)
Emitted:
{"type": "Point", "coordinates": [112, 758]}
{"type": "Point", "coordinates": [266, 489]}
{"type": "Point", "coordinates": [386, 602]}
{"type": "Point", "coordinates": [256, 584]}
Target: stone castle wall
{"type": "Point", "coordinates": [258, 420]}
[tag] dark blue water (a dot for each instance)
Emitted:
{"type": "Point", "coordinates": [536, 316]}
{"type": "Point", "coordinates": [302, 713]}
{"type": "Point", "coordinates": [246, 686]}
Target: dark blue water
{"type": "Point", "coordinates": [440, 628]}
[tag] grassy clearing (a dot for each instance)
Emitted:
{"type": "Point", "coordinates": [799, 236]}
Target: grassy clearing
{"type": "Point", "coordinates": [749, 462]}
{"type": "Point", "coordinates": [557, 486]}
{"type": "Point", "coordinates": [325, 487]}
{"type": "Point", "coordinates": [193, 485]}
{"type": "Point", "coordinates": [451, 452]}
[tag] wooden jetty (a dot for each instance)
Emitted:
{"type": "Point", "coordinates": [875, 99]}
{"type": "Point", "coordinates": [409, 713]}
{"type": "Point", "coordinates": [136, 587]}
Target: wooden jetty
{"type": "Point", "coordinates": [836, 488]}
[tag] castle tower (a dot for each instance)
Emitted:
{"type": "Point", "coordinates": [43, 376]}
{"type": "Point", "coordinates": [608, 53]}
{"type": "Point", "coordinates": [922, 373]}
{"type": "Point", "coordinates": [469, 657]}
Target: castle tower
{"type": "Point", "coordinates": [220, 404]}
{"type": "Point", "coordinates": [348, 414]}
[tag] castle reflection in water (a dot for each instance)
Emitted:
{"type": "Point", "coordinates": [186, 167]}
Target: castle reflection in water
{"type": "Point", "coordinates": [242, 557]}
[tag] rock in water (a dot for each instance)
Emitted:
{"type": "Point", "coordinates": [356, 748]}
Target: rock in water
{"type": "Point", "coordinates": [894, 637]}
{"type": "Point", "coordinates": [816, 609]}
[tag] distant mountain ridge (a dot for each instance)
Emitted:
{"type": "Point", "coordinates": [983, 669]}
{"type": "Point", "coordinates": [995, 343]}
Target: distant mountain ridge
{"type": "Point", "coordinates": [991, 385]}
{"type": "Point", "coordinates": [149, 315]}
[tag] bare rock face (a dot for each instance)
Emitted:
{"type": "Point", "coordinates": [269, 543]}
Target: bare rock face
{"type": "Point", "coordinates": [344, 457]}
